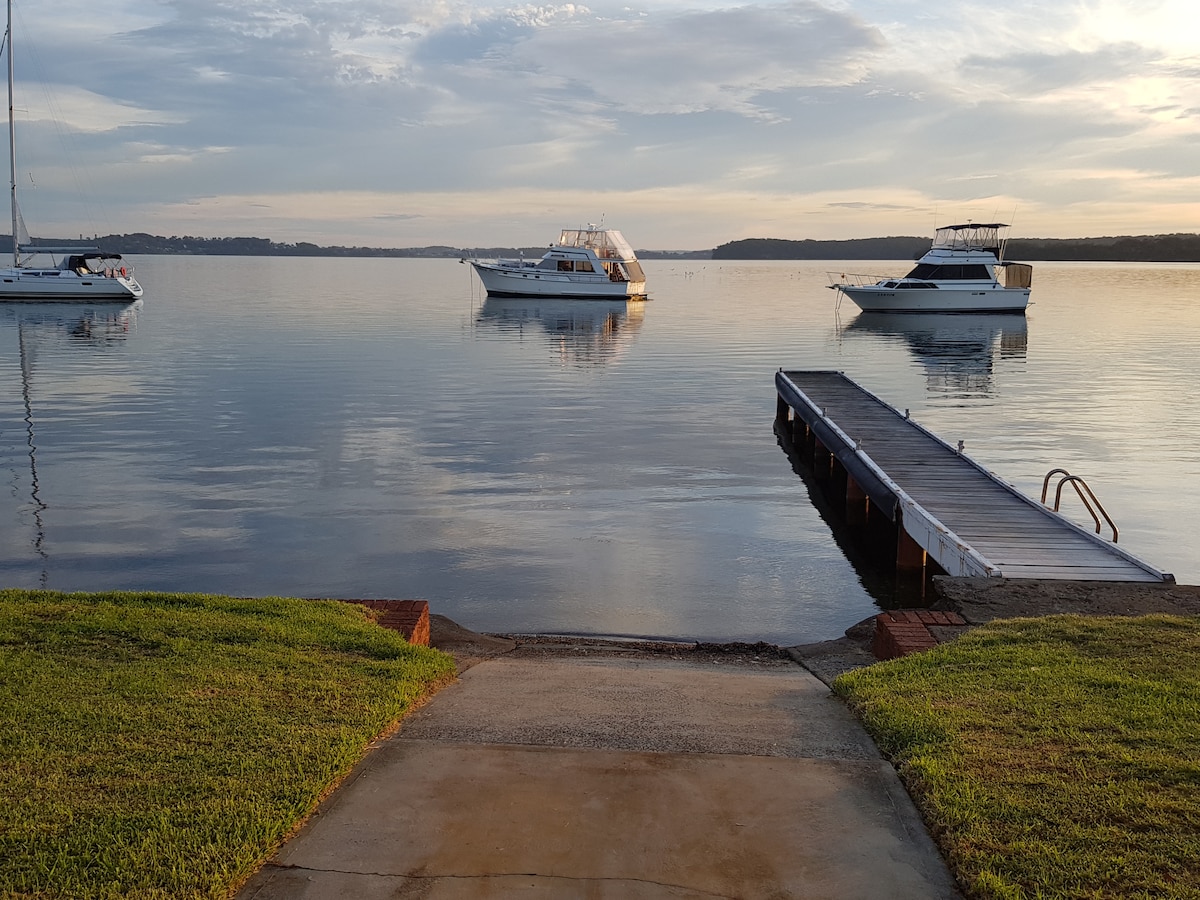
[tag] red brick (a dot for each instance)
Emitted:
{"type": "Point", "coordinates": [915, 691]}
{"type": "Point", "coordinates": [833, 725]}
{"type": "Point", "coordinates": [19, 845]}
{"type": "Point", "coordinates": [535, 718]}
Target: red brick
{"type": "Point", "coordinates": [900, 632]}
{"type": "Point", "coordinates": [409, 617]}
{"type": "Point", "coordinates": [939, 617]}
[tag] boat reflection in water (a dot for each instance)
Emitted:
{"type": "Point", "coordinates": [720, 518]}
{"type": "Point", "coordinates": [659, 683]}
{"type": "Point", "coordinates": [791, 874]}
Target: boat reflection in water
{"type": "Point", "coordinates": [581, 332]}
{"type": "Point", "coordinates": [79, 323]}
{"type": "Point", "coordinates": [957, 351]}
{"type": "Point", "coordinates": [39, 326]}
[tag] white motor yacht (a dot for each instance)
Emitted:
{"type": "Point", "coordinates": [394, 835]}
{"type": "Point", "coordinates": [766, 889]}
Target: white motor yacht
{"type": "Point", "coordinates": [964, 271]}
{"type": "Point", "coordinates": [585, 264]}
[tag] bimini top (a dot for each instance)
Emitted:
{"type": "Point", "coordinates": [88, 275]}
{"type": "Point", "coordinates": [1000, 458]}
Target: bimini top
{"type": "Point", "coordinates": [607, 243]}
{"type": "Point", "coordinates": [969, 237]}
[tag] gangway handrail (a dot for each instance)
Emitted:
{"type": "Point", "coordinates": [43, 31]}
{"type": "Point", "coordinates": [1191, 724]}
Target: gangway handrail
{"type": "Point", "coordinates": [1087, 498]}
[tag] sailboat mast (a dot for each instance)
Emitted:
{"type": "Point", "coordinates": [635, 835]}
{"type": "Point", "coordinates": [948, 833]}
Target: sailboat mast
{"type": "Point", "coordinates": [12, 145]}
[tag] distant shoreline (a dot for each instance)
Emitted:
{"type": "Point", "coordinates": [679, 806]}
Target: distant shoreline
{"type": "Point", "coordinates": [1175, 248]}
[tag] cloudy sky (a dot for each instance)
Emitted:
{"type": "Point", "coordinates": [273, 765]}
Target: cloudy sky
{"type": "Point", "coordinates": [685, 123]}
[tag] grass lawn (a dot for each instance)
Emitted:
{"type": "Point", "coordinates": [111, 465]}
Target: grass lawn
{"type": "Point", "coordinates": [1051, 757]}
{"type": "Point", "coordinates": [160, 745]}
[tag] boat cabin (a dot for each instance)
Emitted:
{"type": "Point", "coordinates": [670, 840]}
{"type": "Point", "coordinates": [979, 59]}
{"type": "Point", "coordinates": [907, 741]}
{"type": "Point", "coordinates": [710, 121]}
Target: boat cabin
{"type": "Point", "coordinates": [593, 251]}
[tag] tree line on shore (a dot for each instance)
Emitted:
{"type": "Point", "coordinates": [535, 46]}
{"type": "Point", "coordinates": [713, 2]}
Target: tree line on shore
{"type": "Point", "coordinates": [1135, 248]}
{"type": "Point", "coordinates": [1143, 248]}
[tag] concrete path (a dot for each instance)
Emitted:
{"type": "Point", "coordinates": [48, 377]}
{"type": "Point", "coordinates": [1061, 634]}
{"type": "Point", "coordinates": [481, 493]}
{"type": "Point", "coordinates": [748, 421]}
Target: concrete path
{"type": "Point", "coordinates": [584, 769]}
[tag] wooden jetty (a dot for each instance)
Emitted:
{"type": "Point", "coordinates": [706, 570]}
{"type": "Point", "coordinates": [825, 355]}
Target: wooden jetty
{"type": "Point", "coordinates": [945, 507]}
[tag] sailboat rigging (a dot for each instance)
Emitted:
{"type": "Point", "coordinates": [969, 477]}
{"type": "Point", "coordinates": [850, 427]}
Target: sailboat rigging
{"type": "Point", "coordinates": [74, 273]}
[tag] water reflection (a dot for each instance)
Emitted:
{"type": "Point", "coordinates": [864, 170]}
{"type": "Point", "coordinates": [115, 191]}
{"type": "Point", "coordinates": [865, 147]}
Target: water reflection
{"type": "Point", "coordinates": [81, 324]}
{"type": "Point", "coordinates": [958, 352]}
{"type": "Point", "coordinates": [37, 324]}
{"type": "Point", "coordinates": [869, 547]}
{"type": "Point", "coordinates": [582, 332]}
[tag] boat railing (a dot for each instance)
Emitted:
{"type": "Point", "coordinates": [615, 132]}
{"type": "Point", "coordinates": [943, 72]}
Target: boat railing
{"type": "Point", "coordinates": [851, 279]}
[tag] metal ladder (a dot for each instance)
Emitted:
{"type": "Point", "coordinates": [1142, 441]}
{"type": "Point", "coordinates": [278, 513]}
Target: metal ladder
{"type": "Point", "coordinates": [1090, 503]}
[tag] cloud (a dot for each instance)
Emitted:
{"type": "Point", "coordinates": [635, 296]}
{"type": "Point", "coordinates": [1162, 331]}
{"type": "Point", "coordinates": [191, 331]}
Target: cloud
{"type": "Point", "coordinates": [384, 122]}
{"type": "Point", "coordinates": [728, 60]}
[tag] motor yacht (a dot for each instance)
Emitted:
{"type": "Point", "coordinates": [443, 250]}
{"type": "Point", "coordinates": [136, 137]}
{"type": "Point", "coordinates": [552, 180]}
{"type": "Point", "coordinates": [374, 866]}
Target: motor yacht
{"type": "Point", "coordinates": [590, 263]}
{"type": "Point", "coordinates": [963, 271]}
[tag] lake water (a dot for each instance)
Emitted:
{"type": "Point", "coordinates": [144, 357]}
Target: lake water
{"type": "Point", "coordinates": [376, 428]}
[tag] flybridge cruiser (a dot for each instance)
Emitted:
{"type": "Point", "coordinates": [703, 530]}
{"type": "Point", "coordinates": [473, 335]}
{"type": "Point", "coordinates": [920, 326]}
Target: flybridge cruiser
{"type": "Point", "coordinates": [585, 263]}
{"type": "Point", "coordinates": [957, 274]}
{"type": "Point", "coordinates": [71, 274]}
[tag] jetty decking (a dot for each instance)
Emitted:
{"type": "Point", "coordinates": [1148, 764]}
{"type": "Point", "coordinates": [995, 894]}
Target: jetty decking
{"type": "Point", "coordinates": [943, 503]}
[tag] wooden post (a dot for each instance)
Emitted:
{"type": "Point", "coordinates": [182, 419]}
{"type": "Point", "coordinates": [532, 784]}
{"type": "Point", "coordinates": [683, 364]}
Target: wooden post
{"type": "Point", "coordinates": [910, 556]}
{"type": "Point", "coordinates": [799, 431]}
{"type": "Point", "coordinates": [857, 502]}
{"type": "Point", "coordinates": [781, 409]}
{"type": "Point", "coordinates": [822, 461]}
{"type": "Point", "coordinates": [837, 478]}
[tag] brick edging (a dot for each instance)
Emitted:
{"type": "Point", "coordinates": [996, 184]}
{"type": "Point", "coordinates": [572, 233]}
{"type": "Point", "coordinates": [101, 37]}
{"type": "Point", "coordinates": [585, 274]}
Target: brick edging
{"type": "Point", "coordinates": [899, 632]}
{"type": "Point", "coordinates": [409, 617]}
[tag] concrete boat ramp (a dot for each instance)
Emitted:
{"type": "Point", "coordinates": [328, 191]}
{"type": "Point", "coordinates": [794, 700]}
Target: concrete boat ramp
{"type": "Point", "coordinates": [562, 768]}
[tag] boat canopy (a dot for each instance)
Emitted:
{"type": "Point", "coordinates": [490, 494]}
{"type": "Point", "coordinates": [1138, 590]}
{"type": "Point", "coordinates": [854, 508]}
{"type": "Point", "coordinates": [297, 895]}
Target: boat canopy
{"type": "Point", "coordinates": [84, 251]}
{"type": "Point", "coordinates": [1017, 275]}
{"type": "Point", "coordinates": [607, 243]}
{"type": "Point", "coordinates": [970, 236]}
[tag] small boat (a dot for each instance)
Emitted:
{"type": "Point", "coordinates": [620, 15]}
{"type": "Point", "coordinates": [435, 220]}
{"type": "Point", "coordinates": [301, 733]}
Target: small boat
{"type": "Point", "coordinates": [71, 274]}
{"type": "Point", "coordinates": [584, 264]}
{"type": "Point", "coordinates": [959, 273]}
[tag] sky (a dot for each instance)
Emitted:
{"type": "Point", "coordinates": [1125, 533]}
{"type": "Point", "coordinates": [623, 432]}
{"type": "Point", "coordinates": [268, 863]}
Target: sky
{"type": "Point", "coordinates": [683, 123]}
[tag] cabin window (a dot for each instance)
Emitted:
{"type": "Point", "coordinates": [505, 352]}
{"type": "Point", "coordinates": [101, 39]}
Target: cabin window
{"type": "Point", "coordinates": [584, 266]}
{"type": "Point", "coordinates": [564, 265]}
{"type": "Point", "coordinates": [950, 273]}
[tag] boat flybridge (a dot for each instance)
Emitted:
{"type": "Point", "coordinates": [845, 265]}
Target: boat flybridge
{"type": "Point", "coordinates": [964, 271]}
{"type": "Point", "coordinates": [590, 263]}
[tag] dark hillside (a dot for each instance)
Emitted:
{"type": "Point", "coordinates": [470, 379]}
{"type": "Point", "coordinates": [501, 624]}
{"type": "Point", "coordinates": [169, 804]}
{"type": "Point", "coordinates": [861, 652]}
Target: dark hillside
{"type": "Point", "coordinates": [1144, 248]}
{"type": "Point", "coordinates": [862, 248]}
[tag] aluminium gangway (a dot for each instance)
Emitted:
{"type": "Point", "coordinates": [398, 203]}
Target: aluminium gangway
{"type": "Point", "coordinates": [964, 517]}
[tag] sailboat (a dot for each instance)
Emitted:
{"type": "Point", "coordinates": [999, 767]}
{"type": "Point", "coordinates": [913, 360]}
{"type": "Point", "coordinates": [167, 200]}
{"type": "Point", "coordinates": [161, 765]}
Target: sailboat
{"type": "Point", "coordinates": [70, 274]}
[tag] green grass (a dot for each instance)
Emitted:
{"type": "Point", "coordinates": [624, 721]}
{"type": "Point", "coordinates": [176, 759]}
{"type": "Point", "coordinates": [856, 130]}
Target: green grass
{"type": "Point", "coordinates": [1051, 757]}
{"type": "Point", "coordinates": [161, 745]}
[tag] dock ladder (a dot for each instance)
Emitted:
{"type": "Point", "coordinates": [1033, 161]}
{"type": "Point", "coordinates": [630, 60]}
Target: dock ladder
{"type": "Point", "coordinates": [1090, 503]}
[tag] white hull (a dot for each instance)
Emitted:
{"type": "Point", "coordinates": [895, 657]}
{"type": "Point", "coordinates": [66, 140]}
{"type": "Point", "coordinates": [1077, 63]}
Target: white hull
{"type": "Point", "coordinates": [501, 281]}
{"type": "Point", "coordinates": [980, 299]}
{"type": "Point", "coordinates": [21, 286]}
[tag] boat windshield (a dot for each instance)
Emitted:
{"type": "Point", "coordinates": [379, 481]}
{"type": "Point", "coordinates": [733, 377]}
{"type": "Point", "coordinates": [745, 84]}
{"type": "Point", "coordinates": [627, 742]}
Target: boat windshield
{"type": "Point", "coordinates": [969, 237]}
{"type": "Point", "coordinates": [607, 244]}
{"type": "Point", "coordinates": [933, 272]}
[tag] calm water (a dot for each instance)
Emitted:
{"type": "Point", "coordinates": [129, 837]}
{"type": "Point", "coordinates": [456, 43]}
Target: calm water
{"type": "Point", "coordinates": [376, 428]}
